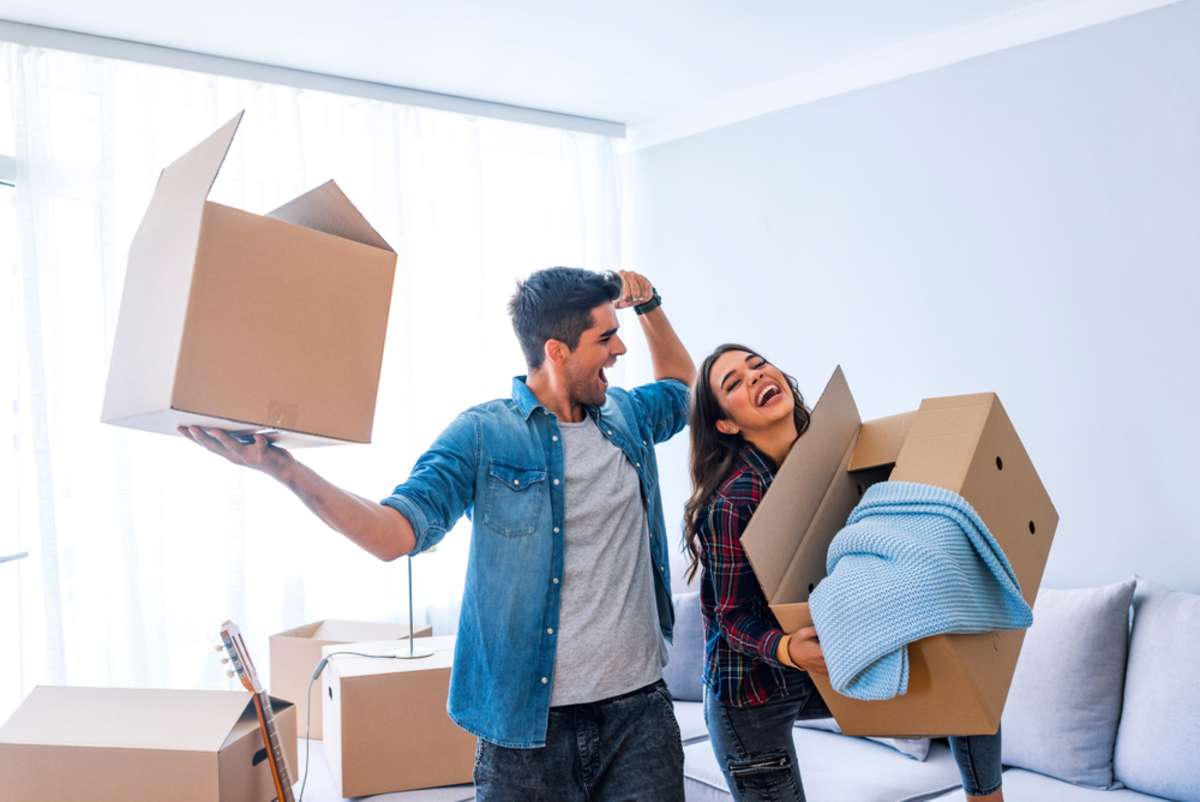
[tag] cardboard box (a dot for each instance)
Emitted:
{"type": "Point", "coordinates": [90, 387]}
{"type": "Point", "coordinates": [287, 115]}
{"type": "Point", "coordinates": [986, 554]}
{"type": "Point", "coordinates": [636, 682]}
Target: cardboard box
{"type": "Point", "coordinates": [296, 652]}
{"type": "Point", "coordinates": [116, 744]}
{"type": "Point", "coordinates": [386, 727]}
{"type": "Point", "coordinates": [957, 683]}
{"type": "Point", "coordinates": [249, 322]}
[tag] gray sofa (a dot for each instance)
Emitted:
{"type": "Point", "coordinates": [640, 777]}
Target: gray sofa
{"type": "Point", "coordinates": [1104, 707]}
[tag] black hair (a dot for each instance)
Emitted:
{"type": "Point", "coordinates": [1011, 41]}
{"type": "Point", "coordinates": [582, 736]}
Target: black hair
{"type": "Point", "coordinates": [556, 304]}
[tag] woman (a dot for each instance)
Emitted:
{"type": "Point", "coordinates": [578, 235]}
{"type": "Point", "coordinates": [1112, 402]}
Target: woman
{"type": "Point", "coordinates": [745, 416]}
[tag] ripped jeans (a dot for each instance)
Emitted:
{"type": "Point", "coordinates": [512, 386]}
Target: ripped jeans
{"type": "Point", "coordinates": [756, 753]}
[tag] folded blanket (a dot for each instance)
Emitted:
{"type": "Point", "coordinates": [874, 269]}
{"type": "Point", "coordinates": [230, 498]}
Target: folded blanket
{"type": "Point", "coordinates": [912, 561]}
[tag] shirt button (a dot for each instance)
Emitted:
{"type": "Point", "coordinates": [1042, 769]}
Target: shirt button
{"type": "Point", "coordinates": [545, 680]}
{"type": "Point", "coordinates": [555, 481]}
{"type": "Point", "coordinates": [554, 438]}
{"type": "Point", "coordinates": [517, 482]}
{"type": "Point", "coordinates": [556, 530]}
{"type": "Point", "coordinates": [610, 431]}
{"type": "Point", "coordinates": [555, 580]}
{"type": "Point", "coordinates": [644, 442]}
{"type": "Point", "coordinates": [549, 630]}
{"type": "Point", "coordinates": [637, 464]}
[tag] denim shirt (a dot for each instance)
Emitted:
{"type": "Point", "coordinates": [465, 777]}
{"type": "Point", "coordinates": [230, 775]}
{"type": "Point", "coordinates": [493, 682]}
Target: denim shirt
{"type": "Point", "coordinates": [501, 463]}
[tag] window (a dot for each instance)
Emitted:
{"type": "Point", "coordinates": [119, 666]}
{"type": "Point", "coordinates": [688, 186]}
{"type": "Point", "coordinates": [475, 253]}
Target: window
{"type": "Point", "coordinates": [10, 532]}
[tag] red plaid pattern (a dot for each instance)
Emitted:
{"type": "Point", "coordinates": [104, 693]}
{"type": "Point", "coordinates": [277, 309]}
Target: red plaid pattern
{"type": "Point", "coordinates": [741, 633]}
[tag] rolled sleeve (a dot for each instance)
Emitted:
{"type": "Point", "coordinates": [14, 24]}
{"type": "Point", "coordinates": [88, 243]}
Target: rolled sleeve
{"type": "Point", "coordinates": [664, 406]}
{"type": "Point", "coordinates": [441, 486]}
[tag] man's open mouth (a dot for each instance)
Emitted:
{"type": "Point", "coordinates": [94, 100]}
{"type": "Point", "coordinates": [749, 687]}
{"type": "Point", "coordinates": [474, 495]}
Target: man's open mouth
{"type": "Point", "coordinates": [603, 378]}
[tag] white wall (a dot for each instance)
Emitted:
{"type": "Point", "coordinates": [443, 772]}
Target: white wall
{"type": "Point", "coordinates": [1025, 222]}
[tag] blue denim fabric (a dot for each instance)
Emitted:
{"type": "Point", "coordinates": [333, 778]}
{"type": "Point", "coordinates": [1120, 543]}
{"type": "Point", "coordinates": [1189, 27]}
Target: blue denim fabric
{"type": "Point", "coordinates": [756, 753]}
{"type": "Point", "coordinates": [501, 463]}
{"type": "Point", "coordinates": [623, 749]}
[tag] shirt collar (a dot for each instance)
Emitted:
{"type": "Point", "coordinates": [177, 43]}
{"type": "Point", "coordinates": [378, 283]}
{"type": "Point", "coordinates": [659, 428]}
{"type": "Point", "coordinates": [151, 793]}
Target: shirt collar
{"type": "Point", "coordinates": [757, 461]}
{"type": "Point", "coordinates": [527, 402]}
{"type": "Point", "coordinates": [524, 398]}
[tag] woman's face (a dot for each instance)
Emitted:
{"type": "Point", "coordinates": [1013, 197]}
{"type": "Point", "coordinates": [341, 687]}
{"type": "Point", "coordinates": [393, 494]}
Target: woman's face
{"type": "Point", "coordinates": [752, 392]}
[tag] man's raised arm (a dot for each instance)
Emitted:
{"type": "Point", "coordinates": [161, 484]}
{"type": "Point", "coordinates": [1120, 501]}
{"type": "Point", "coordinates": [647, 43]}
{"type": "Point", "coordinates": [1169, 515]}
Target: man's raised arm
{"type": "Point", "coordinates": [667, 354]}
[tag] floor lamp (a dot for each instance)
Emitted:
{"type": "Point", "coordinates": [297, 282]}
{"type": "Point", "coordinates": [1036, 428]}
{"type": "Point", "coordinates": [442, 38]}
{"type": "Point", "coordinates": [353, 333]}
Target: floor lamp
{"type": "Point", "coordinates": [412, 653]}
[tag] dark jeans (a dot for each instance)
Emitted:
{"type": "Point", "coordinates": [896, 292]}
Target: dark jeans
{"type": "Point", "coordinates": [622, 749]}
{"type": "Point", "coordinates": [757, 755]}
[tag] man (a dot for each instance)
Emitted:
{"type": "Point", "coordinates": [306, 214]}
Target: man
{"type": "Point", "coordinates": [559, 651]}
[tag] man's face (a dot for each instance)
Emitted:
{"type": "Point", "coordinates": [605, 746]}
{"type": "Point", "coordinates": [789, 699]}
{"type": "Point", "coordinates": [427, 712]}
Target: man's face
{"type": "Point", "coordinates": [599, 346]}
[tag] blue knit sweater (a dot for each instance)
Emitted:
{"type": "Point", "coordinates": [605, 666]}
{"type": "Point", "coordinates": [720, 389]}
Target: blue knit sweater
{"type": "Point", "coordinates": [912, 561]}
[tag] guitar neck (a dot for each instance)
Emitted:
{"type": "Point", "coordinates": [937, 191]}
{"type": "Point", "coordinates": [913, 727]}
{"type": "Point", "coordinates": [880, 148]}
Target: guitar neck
{"type": "Point", "coordinates": [279, 769]}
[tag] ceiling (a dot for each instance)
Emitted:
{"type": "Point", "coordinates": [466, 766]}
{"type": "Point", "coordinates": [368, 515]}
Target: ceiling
{"type": "Point", "coordinates": [630, 62]}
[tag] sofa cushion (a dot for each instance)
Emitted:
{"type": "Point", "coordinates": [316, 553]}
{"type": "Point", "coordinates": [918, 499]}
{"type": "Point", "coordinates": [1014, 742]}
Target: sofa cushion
{"type": "Point", "coordinates": [685, 662]}
{"type": "Point", "coordinates": [1158, 742]}
{"type": "Point", "coordinates": [690, 716]}
{"type": "Point", "coordinates": [916, 748]}
{"type": "Point", "coordinates": [1065, 699]}
{"type": "Point", "coordinates": [836, 767]}
{"type": "Point", "coordinates": [1020, 784]}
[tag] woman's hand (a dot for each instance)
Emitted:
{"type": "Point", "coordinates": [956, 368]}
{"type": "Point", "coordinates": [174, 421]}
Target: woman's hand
{"type": "Point", "coordinates": [805, 651]}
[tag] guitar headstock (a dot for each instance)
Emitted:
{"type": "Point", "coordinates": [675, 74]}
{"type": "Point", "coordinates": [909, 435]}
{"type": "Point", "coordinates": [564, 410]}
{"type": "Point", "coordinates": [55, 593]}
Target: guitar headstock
{"type": "Point", "coordinates": [239, 655]}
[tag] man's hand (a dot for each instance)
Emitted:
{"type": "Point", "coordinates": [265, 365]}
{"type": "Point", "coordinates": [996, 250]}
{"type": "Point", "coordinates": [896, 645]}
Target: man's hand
{"type": "Point", "coordinates": [259, 455]}
{"type": "Point", "coordinates": [805, 651]}
{"type": "Point", "coordinates": [636, 289]}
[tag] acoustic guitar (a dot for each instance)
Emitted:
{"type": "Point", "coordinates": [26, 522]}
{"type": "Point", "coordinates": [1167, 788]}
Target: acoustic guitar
{"type": "Point", "coordinates": [231, 637]}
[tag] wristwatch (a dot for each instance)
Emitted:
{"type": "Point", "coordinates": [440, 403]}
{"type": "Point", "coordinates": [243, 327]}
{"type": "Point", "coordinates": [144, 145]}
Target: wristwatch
{"type": "Point", "coordinates": [654, 303]}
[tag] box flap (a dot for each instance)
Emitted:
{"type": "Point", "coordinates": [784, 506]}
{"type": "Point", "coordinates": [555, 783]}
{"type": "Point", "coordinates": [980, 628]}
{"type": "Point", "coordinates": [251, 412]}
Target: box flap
{"type": "Point", "coordinates": [129, 718]}
{"type": "Point", "coordinates": [158, 279]}
{"type": "Point", "coordinates": [248, 720]}
{"type": "Point", "coordinates": [783, 519]}
{"type": "Point", "coordinates": [302, 631]}
{"type": "Point", "coordinates": [327, 209]}
{"type": "Point", "coordinates": [337, 631]}
{"type": "Point", "coordinates": [188, 179]}
{"type": "Point", "coordinates": [879, 441]}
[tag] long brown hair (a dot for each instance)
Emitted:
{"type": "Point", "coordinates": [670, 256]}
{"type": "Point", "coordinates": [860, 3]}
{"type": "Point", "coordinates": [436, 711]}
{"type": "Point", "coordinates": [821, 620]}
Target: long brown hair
{"type": "Point", "coordinates": [713, 452]}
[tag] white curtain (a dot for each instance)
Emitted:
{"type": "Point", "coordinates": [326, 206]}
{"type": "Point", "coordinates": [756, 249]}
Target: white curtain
{"type": "Point", "coordinates": [140, 544]}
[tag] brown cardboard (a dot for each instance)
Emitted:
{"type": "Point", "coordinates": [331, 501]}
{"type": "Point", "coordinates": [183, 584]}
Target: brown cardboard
{"type": "Point", "coordinates": [957, 683]}
{"type": "Point", "coordinates": [386, 727]}
{"type": "Point", "coordinates": [116, 744]}
{"type": "Point", "coordinates": [250, 322]}
{"type": "Point", "coordinates": [296, 652]}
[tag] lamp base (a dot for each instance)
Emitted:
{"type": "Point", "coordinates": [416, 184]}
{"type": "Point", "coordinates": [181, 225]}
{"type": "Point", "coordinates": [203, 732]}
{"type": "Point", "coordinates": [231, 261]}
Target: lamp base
{"type": "Point", "coordinates": [415, 654]}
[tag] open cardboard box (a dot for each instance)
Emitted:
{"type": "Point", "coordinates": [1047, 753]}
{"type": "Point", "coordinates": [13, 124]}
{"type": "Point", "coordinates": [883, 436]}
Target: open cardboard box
{"type": "Point", "coordinates": [116, 744]}
{"type": "Point", "coordinates": [386, 725]}
{"type": "Point", "coordinates": [249, 322]}
{"type": "Point", "coordinates": [296, 652]}
{"type": "Point", "coordinates": [957, 683]}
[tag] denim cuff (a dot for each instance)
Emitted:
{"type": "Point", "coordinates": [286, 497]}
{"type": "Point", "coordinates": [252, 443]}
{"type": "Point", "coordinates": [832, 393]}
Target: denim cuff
{"type": "Point", "coordinates": [416, 519]}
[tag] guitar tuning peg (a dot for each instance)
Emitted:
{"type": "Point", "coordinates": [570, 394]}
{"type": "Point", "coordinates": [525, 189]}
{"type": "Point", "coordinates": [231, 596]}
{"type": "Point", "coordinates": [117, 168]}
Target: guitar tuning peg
{"type": "Point", "coordinates": [219, 647]}
{"type": "Point", "coordinates": [224, 660]}
{"type": "Point", "coordinates": [229, 674]}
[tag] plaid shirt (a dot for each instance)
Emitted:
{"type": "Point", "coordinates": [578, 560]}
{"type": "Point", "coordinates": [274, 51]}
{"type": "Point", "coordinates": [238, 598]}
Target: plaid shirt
{"type": "Point", "coordinates": [741, 633]}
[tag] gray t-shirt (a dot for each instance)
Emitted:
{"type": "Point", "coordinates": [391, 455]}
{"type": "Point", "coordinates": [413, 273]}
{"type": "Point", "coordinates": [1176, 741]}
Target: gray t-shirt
{"type": "Point", "coordinates": [609, 642]}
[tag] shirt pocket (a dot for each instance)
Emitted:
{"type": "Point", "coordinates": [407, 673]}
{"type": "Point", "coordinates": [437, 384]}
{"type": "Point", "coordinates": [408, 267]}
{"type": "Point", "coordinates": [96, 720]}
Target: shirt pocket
{"type": "Point", "coordinates": [514, 499]}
